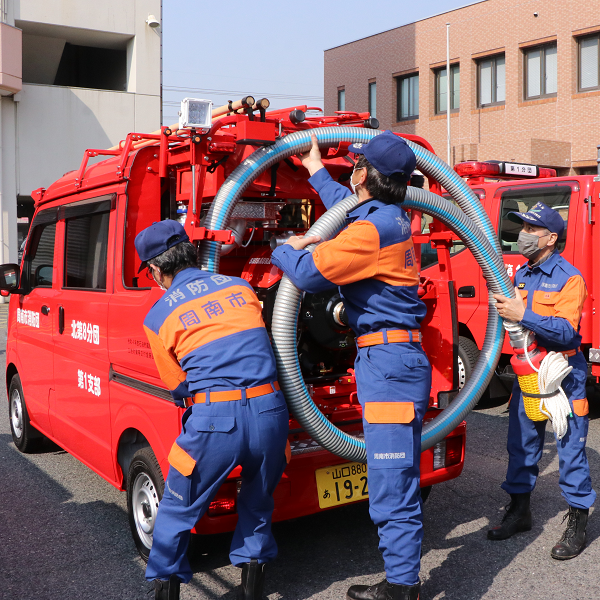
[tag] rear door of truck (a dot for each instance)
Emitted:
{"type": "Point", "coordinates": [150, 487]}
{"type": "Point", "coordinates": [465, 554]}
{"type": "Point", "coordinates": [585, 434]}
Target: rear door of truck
{"type": "Point", "coordinates": [80, 408]}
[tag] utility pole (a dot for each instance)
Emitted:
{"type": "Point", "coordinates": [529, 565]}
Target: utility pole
{"type": "Point", "coordinates": [448, 88]}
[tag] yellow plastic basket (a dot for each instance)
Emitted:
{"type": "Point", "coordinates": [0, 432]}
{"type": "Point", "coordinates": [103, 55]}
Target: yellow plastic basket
{"type": "Point", "coordinates": [529, 383]}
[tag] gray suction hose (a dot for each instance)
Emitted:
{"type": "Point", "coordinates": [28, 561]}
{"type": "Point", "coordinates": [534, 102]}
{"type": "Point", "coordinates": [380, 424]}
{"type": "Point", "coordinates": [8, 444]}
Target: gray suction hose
{"type": "Point", "coordinates": [471, 224]}
{"type": "Point", "coordinates": [287, 307]}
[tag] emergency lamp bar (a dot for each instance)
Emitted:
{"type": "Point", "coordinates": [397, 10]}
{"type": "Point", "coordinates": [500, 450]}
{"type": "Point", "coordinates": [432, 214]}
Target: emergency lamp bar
{"type": "Point", "coordinates": [495, 168]}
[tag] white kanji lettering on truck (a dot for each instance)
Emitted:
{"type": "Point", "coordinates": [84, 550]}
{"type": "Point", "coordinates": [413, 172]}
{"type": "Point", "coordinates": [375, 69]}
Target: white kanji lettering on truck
{"type": "Point", "coordinates": [86, 332]}
{"type": "Point", "coordinates": [28, 317]}
{"type": "Point", "coordinates": [89, 382]}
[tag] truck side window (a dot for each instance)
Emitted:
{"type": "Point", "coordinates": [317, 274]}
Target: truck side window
{"type": "Point", "coordinates": [86, 252]}
{"type": "Point", "coordinates": [41, 256]}
{"type": "Point", "coordinates": [522, 199]}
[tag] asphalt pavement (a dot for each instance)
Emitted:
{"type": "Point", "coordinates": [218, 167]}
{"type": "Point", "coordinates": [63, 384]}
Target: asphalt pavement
{"type": "Point", "coordinates": [64, 533]}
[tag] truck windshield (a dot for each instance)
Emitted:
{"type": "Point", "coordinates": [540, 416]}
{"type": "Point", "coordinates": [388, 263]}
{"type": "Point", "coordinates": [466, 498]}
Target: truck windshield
{"type": "Point", "coordinates": [521, 199]}
{"type": "Point", "coordinates": [428, 253]}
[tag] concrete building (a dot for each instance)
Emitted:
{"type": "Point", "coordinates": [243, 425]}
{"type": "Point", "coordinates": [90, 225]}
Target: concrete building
{"type": "Point", "coordinates": [74, 74]}
{"type": "Point", "coordinates": [524, 81]}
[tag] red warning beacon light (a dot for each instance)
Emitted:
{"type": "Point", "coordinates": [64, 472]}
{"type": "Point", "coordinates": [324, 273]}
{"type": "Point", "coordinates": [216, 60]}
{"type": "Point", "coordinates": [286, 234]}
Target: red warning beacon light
{"type": "Point", "coordinates": [495, 169]}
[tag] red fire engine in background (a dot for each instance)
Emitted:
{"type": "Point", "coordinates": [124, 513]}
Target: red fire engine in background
{"type": "Point", "coordinates": [503, 187]}
{"type": "Point", "coordinates": [79, 368]}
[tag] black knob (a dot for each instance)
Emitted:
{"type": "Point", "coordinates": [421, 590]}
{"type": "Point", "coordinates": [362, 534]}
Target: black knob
{"type": "Point", "coordinates": [371, 123]}
{"type": "Point", "coordinates": [297, 116]}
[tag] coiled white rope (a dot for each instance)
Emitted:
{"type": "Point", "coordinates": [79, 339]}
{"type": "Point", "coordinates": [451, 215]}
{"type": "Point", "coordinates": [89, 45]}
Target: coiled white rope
{"type": "Point", "coordinates": [553, 369]}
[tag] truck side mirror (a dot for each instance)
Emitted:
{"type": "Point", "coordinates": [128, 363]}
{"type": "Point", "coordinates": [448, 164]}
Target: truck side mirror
{"type": "Point", "coordinates": [9, 277]}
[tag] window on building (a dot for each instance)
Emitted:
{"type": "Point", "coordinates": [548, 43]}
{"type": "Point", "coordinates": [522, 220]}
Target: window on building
{"type": "Point", "coordinates": [407, 97]}
{"type": "Point", "coordinates": [55, 61]}
{"type": "Point", "coordinates": [87, 67]}
{"type": "Point", "coordinates": [540, 72]}
{"type": "Point", "coordinates": [441, 89]}
{"type": "Point", "coordinates": [491, 81]}
{"type": "Point", "coordinates": [589, 62]}
{"type": "Point", "coordinates": [373, 98]}
{"type": "Point", "coordinates": [341, 99]}
{"type": "Point", "coordinates": [86, 252]}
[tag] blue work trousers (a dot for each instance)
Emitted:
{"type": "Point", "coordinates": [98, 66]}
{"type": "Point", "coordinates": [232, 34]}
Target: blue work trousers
{"type": "Point", "coordinates": [220, 436]}
{"type": "Point", "coordinates": [395, 373]}
{"type": "Point", "coordinates": [526, 443]}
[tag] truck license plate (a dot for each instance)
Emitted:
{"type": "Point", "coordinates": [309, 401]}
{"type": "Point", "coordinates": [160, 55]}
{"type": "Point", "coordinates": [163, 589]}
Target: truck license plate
{"type": "Point", "coordinates": [342, 484]}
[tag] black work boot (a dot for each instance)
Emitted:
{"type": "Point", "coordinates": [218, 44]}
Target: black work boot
{"type": "Point", "coordinates": [167, 590]}
{"type": "Point", "coordinates": [253, 578]}
{"type": "Point", "coordinates": [572, 541]}
{"type": "Point", "coordinates": [517, 518]}
{"type": "Point", "coordinates": [384, 590]}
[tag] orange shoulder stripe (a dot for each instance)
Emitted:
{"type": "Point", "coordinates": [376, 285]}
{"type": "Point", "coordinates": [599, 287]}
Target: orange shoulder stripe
{"type": "Point", "coordinates": [209, 318]}
{"type": "Point", "coordinates": [351, 256]}
{"type": "Point", "coordinates": [398, 264]}
{"type": "Point", "coordinates": [569, 304]}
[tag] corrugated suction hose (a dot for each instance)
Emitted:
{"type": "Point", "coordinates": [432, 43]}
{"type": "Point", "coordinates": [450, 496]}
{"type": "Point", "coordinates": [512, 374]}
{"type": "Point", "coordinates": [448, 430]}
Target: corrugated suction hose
{"type": "Point", "coordinates": [470, 222]}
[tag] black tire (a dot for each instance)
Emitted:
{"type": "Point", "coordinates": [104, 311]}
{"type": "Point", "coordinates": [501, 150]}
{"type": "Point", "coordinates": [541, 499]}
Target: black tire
{"type": "Point", "coordinates": [468, 353]}
{"type": "Point", "coordinates": [145, 486]}
{"type": "Point", "coordinates": [25, 436]}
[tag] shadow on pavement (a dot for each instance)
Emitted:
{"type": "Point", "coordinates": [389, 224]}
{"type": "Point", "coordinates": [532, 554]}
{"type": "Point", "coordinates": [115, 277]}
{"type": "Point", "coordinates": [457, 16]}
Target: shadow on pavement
{"type": "Point", "coordinates": [461, 564]}
{"type": "Point", "coordinates": [315, 552]}
{"type": "Point", "coordinates": [54, 547]}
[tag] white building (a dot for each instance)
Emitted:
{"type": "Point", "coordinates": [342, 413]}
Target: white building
{"type": "Point", "coordinates": [74, 74]}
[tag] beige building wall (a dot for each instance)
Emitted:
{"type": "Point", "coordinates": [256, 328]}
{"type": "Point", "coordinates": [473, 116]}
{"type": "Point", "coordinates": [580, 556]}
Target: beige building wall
{"type": "Point", "coordinates": [561, 132]}
{"type": "Point", "coordinates": [45, 127]}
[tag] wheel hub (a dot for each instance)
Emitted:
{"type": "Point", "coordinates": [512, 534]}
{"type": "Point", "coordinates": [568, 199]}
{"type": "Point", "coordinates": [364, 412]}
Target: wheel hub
{"type": "Point", "coordinates": [145, 507]}
{"type": "Point", "coordinates": [462, 374]}
{"type": "Point", "coordinates": [16, 413]}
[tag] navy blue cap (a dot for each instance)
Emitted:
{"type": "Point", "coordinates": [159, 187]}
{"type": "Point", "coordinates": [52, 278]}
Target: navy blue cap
{"type": "Point", "coordinates": [540, 215]}
{"type": "Point", "coordinates": [158, 238]}
{"type": "Point", "coordinates": [389, 154]}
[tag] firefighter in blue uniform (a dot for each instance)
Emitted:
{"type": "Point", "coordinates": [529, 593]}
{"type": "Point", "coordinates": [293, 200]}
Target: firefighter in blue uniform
{"type": "Point", "coordinates": [373, 262]}
{"type": "Point", "coordinates": [213, 352]}
{"type": "Point", "coordinates": [550, 303]}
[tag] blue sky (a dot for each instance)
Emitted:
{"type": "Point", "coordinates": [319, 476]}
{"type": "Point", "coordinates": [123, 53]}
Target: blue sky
{"type": "Point", "coordinates": [274, 49]}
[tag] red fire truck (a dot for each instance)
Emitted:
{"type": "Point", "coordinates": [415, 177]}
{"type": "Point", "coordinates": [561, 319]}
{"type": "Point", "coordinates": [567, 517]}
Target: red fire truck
{"type": "Point", "coordinates": [79, 369]}
{"type": "Point", "coordinates": [503, 187]}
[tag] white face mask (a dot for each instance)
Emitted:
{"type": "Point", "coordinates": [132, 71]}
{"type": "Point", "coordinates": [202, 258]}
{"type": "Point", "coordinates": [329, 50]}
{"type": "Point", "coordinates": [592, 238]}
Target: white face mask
{"type": "Point", "coordinates": [353, 185]}
{"type": "Point", "coordinates": [160, 285]}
